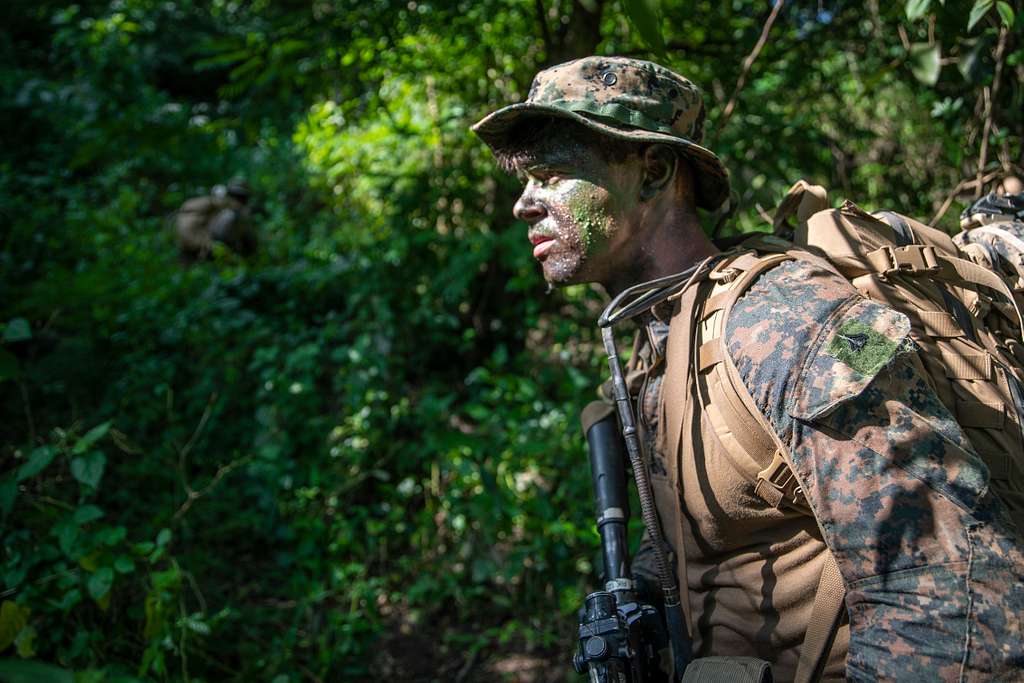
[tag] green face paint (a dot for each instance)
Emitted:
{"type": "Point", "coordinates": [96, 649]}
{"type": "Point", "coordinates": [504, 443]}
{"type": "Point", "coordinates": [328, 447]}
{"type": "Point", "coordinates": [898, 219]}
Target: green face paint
{"type": "Point", "coordinates": [578, 206]}
{"type": "Point", "coordinates": [592, 217]}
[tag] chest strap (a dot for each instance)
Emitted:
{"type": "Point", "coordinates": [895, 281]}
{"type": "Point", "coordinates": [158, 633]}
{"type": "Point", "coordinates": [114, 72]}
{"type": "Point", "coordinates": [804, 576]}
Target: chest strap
{"type": "Point", "coordinates": [746, 437]}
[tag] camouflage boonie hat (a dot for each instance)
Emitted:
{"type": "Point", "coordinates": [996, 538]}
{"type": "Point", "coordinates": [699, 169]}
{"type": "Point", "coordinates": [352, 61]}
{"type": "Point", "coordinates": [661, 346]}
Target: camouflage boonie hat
{"type": "Point", "coordinates": [238, 186]}
{"type": "Point", "coordinates": [626, 98]}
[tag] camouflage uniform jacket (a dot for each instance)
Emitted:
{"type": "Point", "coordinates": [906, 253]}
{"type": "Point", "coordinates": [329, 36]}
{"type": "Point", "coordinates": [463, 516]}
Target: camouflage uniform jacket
{"type": "Point", "coordinates": [933, 566]}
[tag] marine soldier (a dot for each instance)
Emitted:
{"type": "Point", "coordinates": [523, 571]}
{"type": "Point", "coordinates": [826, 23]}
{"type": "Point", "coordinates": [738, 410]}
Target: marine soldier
{"type": "Point", "coordinates": [878, 482]}
{"type": "Point", "coordinates": [223, 216]}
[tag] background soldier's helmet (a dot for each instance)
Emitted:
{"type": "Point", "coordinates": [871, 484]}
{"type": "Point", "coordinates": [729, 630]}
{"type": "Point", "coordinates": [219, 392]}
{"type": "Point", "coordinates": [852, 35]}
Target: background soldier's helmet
{"type": "Point", "coordinates": [626, 98]}
{"type": "Point", "coordinates": [238, 187]}
{"type": "Point", "coordinates": [993, 208]}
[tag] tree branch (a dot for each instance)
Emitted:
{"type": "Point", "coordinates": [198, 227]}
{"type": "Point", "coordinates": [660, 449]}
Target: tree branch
{"type": "Point", "coordinates": [961, 186]}
{"type": "Point", "coordinates": [990, 109]}
{"type": "Point", "coordinates": [747, 64]}
{"type": "Point", "coordinates": [544, 31]}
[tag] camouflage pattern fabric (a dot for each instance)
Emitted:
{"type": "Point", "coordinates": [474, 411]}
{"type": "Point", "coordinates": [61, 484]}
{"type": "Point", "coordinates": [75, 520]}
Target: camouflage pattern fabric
{"type": "Point", "coordinates": [626, 98]}
{"type": "Point", "coordinates": [933, 566]}
{"type": "Point", "coordinates": [1002, 242]}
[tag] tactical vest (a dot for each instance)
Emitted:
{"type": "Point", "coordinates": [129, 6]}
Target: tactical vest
{"type": "Point", "coordinates": [965, 320]}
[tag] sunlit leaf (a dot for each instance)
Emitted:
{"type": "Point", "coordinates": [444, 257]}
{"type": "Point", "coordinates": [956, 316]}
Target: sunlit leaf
{"type": "Point", "coordinates": [917, 8]}
{"type": "Point", "coordinates": [24, 644]}
{"type": "Point", "coordinates": [978, 11]}
{"type": "Point", "coordinates": [926, 62]}
{"type": "Point", "coordinates": [1005, 13]}
{"type": "Point", "coordinates": [13, 618]}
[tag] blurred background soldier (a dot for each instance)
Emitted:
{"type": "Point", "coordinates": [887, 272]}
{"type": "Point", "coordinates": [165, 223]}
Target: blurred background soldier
{"type": "Point", "coordinates": [994, 231]}
{"type": "Point", "coordinates": [223, 216]}
{"type": "Point", "coordinates": [1011, 184]}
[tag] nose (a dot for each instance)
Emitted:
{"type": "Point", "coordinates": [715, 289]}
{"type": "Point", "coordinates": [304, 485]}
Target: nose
{"type": "Point", "coordinates": [527, 209]}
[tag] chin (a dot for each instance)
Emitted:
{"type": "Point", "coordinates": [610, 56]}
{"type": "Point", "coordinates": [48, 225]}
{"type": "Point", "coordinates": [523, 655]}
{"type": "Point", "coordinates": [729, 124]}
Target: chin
{"type": "Point", "coordinates": [560, 278]}
{"type": "Point", "coordinates": [562, 272]}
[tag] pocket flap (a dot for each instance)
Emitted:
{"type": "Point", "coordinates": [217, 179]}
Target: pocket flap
{"type": "Point", "coordinates": [849, 353]}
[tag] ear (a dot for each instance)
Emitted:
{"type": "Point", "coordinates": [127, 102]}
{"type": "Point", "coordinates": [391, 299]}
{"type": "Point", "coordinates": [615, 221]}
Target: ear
{"type": "Point", "coordinates": [659, 170]}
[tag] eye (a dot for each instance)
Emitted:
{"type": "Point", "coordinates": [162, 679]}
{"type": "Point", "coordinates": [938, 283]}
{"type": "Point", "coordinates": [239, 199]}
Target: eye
{"type": "Point", "coordinates": [546, 177]}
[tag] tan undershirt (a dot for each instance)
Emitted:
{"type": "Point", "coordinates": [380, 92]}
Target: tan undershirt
{"type": "Point", "coordinates": [752, 570]}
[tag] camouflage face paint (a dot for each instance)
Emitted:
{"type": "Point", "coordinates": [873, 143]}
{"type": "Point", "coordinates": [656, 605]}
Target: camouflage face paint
{"type": "Point", "coordinates": [579, 207]}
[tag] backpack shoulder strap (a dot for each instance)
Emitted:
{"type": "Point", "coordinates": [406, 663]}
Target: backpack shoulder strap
{"type": "Point", "coordinates": [747, 440]}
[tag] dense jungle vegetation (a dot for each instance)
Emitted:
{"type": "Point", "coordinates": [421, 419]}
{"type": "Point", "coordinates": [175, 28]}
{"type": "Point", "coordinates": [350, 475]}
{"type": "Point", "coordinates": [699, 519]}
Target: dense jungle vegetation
{"type": "Point", "coordinates": [356, 455]}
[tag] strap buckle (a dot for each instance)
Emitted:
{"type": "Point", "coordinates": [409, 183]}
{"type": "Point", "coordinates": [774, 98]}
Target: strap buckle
{"type": "Point", "coordinates": [777, 484]}
{"type": "Point", "coordinates": [912, 259]}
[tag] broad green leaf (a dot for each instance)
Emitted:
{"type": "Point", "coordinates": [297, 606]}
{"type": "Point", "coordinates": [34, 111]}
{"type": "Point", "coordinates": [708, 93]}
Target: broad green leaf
{"type": "Point", "coordinates": [70, 599]}
{"type": "Point", "coordinates": [16, 330]}
{"type": "Point", "coordinates": [926, 62]}
{"type": "Point", "coordinates": [90, 562]}
{"type": "Point", "coordinates": [88, 468]}
{"type": "Point", "coordinates": [143, 548]}
{"type": "Point", "coordinates": [25, 642]}
{"type": "Point", "coordinates": [32, 671]}
{"type": "Point", "coordinates": [9, 368]}
{"type": "Point", "coordinates": [67, 535]}
{"type": "Point", "coordinates": [100, 676]}
{"type": "Point", "coordinates": [646, 18]}
{"type": "Point", "coordinates": [163, 538]}
{"type": "Point", "coordinates": [969, 64]}
{"type": "Point", "coordinates": [91, 437]}
{"type": "Point", "coordinates": [99, 584]}
{"type": "Point", "coordinates": [111, 535]}
{"type": "Point", "coordinates": [124, 565]}
{"type": "Point", "coordinates": [978, 11]}
{"type": "Point", "coordinates": [87, 513]}
{"type": "Point", "coordinates": [917, 8]}
{"type": "Point", "coordinates": [36, 463]}
{"type": "Point", "coordinates": [13, 618]}
{"type": "Point", "coordinates": [1005, 13]}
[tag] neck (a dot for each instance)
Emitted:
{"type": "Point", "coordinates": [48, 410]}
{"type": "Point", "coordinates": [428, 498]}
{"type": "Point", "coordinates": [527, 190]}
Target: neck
{"type": "Point", "coordinates": [669, 241]}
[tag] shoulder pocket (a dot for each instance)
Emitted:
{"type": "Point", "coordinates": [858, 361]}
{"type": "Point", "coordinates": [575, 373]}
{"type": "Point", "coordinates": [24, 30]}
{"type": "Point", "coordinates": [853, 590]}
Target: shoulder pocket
{"type": "Point", "coordinates": [856, 343]}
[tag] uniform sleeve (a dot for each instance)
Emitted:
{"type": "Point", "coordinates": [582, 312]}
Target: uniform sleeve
{"type": "Point", "coordinates": [933, 568]}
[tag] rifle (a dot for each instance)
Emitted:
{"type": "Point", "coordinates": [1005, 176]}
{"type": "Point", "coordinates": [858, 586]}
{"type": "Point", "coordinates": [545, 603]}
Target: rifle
{"type": "Point", "coordinates": [621, 638]}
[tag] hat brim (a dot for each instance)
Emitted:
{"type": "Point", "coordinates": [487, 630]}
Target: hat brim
{"type": "Point", "coordinates": [710, 174]}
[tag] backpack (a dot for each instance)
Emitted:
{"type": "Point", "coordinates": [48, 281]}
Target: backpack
{"type": "Point", "coordinates": [966, 320]}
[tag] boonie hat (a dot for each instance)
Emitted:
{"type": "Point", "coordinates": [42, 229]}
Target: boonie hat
{"type": "Point", "coordinates": [630, 99]}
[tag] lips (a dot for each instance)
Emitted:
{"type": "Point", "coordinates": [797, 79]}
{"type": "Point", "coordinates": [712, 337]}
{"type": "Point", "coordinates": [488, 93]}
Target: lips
{"type": "Point", "coordinates": [542, 244]}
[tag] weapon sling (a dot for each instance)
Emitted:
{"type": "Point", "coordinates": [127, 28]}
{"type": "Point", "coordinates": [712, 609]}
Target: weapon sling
{"type": "Point", "coordinates": [641, 298]}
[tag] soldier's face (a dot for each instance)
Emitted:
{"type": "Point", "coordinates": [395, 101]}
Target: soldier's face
{"type": "Point", "coordinates": [580, 209]}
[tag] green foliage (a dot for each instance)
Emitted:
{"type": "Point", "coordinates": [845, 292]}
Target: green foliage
{"type": "Point", "coordinates": [926, 61]}
{"type": "Point", "coordinates": [645, 16]}
{"type": "Point", "coordinates": [978, 11]}
{"type": "Point", "coordinates": [355, 456]}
